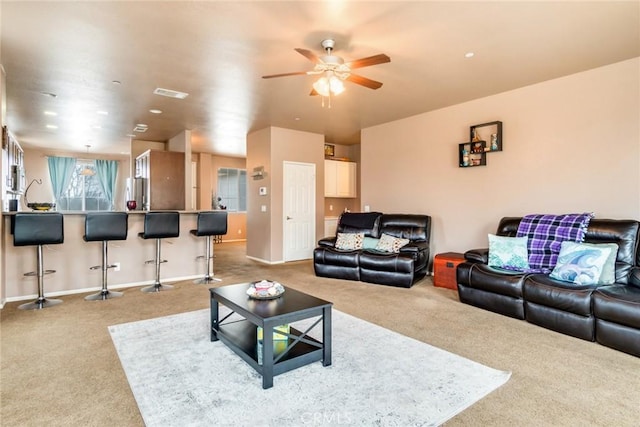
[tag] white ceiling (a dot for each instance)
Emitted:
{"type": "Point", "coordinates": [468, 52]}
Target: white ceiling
{"type": "Point", "coordinates": [217, 52]}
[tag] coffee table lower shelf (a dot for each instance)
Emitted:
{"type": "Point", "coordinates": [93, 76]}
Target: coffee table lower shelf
{"type": "Point", "coordinates": [241, 337]}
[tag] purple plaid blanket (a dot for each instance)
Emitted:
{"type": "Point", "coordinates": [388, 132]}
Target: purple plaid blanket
{"type": "Point", "coordinates": [546, 233]}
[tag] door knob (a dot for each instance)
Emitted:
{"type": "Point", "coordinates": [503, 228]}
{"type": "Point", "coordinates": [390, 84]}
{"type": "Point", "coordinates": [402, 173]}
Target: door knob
{"type": "Point", "coordinates": [288, 217]}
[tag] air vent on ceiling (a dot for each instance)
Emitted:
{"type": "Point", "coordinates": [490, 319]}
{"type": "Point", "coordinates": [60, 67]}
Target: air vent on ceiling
{"type": "Point", "coordinates": [141, 128]}
{"type": "Point", "coordinates": [170, 93]}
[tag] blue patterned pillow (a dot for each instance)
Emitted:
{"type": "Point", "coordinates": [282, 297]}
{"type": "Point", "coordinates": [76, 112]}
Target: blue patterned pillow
{"type": "Point", "coordinates": [508, 252]}
{"type": "Point", "coordinates": [582, 263]}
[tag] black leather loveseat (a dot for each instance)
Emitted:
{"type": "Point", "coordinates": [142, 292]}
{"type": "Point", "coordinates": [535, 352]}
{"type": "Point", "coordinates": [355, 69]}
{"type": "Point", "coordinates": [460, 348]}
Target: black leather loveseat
{"type": "Point", "coordinates": [366, 263]}
{"type": "Point", "coordinates": [608, 314]}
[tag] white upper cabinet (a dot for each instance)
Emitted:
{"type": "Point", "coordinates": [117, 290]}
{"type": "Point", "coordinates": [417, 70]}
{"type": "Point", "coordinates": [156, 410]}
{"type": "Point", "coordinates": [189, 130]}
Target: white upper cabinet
{"type": "Point", "coordinates": [340, 179]}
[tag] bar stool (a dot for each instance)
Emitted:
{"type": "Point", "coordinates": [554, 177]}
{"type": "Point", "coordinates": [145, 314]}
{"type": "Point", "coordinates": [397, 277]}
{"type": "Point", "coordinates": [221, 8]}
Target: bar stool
{"type": "Point", "coordinates": [159, 225]}
{"type": "Point", "coordinates": [212, 223]}
{"type": "Point", "coordinates": [38, 229]}
{"type": "Point", "coordinates": [103, 227]}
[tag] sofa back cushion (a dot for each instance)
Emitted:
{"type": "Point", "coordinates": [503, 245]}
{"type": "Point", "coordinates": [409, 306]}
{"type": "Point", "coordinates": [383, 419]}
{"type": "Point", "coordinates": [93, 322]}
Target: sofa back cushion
{"type": "Point", "coordinates": [625, 233]}
{"type": "Point", "coordinates": [404, 226]}
{"type": "Point", "coordinates": [360, 222]}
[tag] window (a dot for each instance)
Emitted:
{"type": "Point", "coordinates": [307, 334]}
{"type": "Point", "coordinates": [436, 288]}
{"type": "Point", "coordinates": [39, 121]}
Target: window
{"type": "Point", "coordinates": [84, 192]}
{"type": "Point", "coordinates": [232, 189]}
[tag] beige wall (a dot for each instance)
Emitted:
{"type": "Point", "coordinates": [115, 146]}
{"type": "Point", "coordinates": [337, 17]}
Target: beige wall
{"type": "Point", "coordinates": [570, 145]}
{"type": "Point", "coordinates": [270, 148]}
{"type": "Point", "coordinates": [258, 222]}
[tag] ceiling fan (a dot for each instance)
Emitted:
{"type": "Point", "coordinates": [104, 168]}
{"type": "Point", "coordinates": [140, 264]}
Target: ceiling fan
{"type": "Point", "coordinates": [334, 70]}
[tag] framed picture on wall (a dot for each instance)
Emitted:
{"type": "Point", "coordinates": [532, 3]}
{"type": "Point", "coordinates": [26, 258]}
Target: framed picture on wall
{"type": "Point", "coordinates": [329, 150]}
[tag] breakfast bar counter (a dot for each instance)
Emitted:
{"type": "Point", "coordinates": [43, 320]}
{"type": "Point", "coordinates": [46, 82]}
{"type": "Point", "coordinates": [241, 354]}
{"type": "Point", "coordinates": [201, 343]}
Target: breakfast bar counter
{"type": "Point", "coordinates": [72, 259]}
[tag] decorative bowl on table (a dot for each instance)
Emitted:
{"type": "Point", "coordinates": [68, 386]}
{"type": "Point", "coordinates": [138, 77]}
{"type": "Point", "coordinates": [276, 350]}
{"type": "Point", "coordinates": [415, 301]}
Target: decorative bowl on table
{"type": "Point", "coordinates": [41, 206]}
{"type": "Point", "coordinates": [265, 289]}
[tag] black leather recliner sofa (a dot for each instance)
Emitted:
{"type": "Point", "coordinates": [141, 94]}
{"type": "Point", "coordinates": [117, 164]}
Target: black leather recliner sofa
{"type": "Point", "coordinates": [401, 269]}
{"type": "Point", "coordinates": [608, 314]}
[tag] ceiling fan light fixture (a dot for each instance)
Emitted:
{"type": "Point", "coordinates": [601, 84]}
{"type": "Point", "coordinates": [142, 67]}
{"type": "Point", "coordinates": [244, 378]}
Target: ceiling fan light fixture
{"type": "Point", "coordinates": [329, 86]}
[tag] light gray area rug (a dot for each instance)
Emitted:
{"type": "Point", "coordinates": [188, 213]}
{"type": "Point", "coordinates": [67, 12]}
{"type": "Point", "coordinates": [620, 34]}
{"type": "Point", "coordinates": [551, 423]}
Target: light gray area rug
{"type": "Point", "coordinates": [377, 377]}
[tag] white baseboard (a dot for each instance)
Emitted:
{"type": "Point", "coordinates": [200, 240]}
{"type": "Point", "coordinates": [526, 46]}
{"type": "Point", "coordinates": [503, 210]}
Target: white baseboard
{"type": "Point", "coordinates": [264, 261]}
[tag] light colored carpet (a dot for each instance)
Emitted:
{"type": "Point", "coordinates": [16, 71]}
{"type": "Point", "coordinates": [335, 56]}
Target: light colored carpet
{"type": "Point", "coordinates": [377, 377]}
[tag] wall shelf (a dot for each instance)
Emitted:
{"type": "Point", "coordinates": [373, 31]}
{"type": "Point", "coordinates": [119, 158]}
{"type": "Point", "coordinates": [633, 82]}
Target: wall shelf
{"type": "Point", "coordinates": [483, 138]}
{"type": "Point", "coordinates": [490, 132]}
{"type": "Point", "coordinates": [471, 154]}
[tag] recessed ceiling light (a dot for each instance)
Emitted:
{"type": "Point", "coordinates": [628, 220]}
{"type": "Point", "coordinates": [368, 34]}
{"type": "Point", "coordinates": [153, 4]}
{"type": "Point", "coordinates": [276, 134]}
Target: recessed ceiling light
{"type": "Point", "coordinates": [97, 127]}
{"type": "Point", "coordinates": [52, 127]}
{"type": "Point", "coordinates": [49, 94]}
{"type": "Point", "coordinates": [155, 111]}
{"type": "Point", "coordinates": [50, 113]}
{"type": "Point", "coordinates": [297, 118]}
{"type": "Point", "coordinates": [103, 113]}
{"type": "Point", "coordinates": [116, 82]}
{"type": "Point", "coordinates": [469, 55]}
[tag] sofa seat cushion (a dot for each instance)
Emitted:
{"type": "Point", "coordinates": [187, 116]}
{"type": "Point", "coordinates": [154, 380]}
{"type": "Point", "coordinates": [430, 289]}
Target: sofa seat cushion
{"type": "Point", "coordinates": [619, 304]}
{"type": "Point", "coordinates": [490, 279]}
{"type": "Point", "coordinates": [565, 296]}
{"type": "Point", "coordinates": [336, 264]}
{"type": "Point", "coordinates": [336, 257]}
{"type": "Point", "coordinates": [379, 261]}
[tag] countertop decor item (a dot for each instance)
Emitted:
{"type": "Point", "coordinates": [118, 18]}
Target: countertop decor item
{"type": "Point", "coordinates": [41, 206]}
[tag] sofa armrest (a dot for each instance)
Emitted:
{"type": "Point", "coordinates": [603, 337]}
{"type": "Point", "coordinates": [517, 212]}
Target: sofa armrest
{"type": "Point", "coordinates": [327, 242]}
{"type": "Point", "coordinates": [414, 247]}
{"type": "Point", "coordinates": [634, 276]}
{"type": "Point", "coordinates": [477, 255]}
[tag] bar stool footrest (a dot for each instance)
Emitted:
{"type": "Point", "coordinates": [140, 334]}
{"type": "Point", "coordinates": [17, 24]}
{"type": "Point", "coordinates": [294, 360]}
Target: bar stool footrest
{"type": "Point", "coordinates": [35, 273]}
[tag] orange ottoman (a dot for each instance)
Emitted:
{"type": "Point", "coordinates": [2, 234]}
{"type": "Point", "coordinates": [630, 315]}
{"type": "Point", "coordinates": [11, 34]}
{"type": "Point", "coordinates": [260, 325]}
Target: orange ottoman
{"type": "Point", "coordinates": [444, 269]}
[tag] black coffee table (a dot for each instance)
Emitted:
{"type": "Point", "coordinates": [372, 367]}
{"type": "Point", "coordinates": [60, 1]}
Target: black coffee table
{"type": "Point", "coordinates": [241, 335]}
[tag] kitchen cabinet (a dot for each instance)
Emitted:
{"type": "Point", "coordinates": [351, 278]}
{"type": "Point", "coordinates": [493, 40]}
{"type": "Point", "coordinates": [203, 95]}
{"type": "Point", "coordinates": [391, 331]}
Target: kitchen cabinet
{"type": "Point", "coordinates": [160, 180]}
{"type": "Point", "coordinates": [340, 179]}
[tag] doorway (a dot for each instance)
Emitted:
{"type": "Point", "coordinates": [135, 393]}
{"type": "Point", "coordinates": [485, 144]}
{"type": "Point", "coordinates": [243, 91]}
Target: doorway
{"type": "Point", "coordinates": [299, 210]}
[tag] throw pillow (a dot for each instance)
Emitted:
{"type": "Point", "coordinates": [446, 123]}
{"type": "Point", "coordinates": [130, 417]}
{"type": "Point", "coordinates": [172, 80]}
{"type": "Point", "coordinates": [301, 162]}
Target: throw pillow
{"type": "Point", "coordinates": [581, 263]}
{"type": "Point", "coordinates": [349, 241]}
{"type": "Point", "coordinates": [388, 243]}
{"type": "Point", "coordinates": [508, 252]}
{"type": "Point", "coordinates": [369, 243]}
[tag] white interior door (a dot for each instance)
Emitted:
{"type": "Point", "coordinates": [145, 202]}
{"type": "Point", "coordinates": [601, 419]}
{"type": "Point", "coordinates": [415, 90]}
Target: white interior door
{"type": "Point", "coordinates": [299, 222]}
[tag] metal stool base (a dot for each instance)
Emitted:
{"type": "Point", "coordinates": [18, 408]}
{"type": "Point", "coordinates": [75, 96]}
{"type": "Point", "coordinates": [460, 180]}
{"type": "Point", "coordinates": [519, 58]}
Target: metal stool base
{"type": "Point", "coordinates": [40, 303]}
{"type": "Point", "coordinates": [156, 288]}
{"type": "Point", "coordinates": [103, 295]}
{"type": "Point", "coordinates": [206, 280]}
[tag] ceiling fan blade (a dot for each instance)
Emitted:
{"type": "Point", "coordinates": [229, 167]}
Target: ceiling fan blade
{"type": "Point", "coordinates": [363, 81]}
{"type": "Point", "coordinates": [308, 54]}
{"type": "Point", "coordinates": [366, 62]}
{"type": "Point", "coordinates": [296, 73]}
